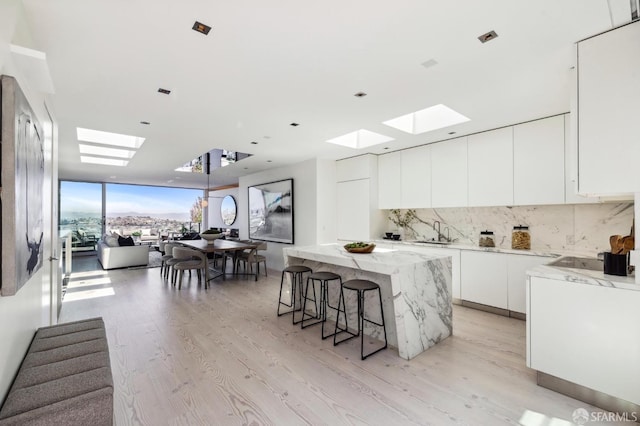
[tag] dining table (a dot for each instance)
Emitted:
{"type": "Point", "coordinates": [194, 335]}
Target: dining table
{"type": "Point", "coordinates": [220, 246]}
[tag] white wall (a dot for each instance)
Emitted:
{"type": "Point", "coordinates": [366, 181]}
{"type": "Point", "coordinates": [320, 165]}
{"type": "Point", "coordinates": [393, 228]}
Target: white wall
{"type": "Point", "coordinates": [305, 215]}
{"type": "Point", "coordinates": [29, 309]}
{"type": "Point", "coordinates": [213, 209]}
{"type": "Point", "coordinates": [326, 221]}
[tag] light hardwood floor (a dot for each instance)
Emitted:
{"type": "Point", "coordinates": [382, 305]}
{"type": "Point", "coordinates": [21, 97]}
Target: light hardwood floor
{"type": "Point", "coordinates": [221, 356]}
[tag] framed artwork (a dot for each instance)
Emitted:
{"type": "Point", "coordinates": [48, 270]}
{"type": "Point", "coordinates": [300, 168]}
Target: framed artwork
{"type": "Point", "coordinates": [22, 179]}
{"type": "Point", "coordinates": [271, 211]}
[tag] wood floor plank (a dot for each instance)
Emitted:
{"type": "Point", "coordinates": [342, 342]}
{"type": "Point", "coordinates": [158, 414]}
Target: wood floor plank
{"type": "Point", "coordinates": [221, 356]}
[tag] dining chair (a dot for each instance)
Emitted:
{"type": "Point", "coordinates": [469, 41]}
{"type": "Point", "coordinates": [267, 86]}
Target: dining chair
{"type": "Point", "coordinates": [187, 260]}
{"type": "Point", "coordinates": [252, 257]}
{"type": "Point", "coordinates": [167, 254]}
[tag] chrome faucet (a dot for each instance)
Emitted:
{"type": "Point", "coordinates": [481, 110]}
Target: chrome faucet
{"type": "Point", "coordinates": [448, 235]}
{"type": "Point", "coordinates": [438, 229]}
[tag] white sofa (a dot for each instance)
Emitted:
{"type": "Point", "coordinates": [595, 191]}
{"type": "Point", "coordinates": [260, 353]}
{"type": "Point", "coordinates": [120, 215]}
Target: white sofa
{"type": "Point", "coordinates": [122, 257]}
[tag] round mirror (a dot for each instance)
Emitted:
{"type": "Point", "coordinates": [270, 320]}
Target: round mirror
{"type": "Point", "coordinates": [228, 210]}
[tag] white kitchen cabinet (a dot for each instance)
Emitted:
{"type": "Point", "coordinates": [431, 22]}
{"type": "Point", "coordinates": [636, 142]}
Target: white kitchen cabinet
{"type": "Point", "coordinates": [360, 167]}
{"type": "Point", "coordinates": [390, 180]}
{"type": "Point", "coordinates": [483, 278]}
{"type": "Point", "coordinates": [538, 162]}
{"type": "Point", "coordinates": [517, 265]}
{"type": "Point", "coordinates": [416, 178]}
{"type": "Point", "coordinates": [608, 105]}
{"type": "Point", "coordinates": [585, 334]}
{"type": "Point", "coordinates": [353, 210]}
{"type": "Point", "coordinates": [571, 195]}
{"type": "Point", "coordinates": [449, 173]}
{"type": "Point", "coordinates": [490, 157]}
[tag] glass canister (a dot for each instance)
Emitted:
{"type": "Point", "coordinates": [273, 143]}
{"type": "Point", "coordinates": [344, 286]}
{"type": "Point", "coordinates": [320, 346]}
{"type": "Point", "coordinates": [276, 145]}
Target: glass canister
{"type": "Point", "coordinates": [520, 238]}
{"type": "Point", "coordinates": [487, 239]}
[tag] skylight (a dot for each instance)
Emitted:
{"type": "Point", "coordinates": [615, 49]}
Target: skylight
{"type": "Point", "coordinates": [360, 139]}
{"type": "Point", "coordinates": [426, 120]}
{"type": "Point", "coordinates": [107, 138]}
{"type": "Point", "coordinates": [107, 148]}
{"type": "Point", "coordinates": [107, 152]}
{"type": "Point", "coordinates": [104, 161]}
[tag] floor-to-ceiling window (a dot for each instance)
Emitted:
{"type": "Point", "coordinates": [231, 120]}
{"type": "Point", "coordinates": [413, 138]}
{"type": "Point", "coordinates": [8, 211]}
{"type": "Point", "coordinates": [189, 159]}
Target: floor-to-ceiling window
{"type": "Point", "coordinates": [81, 213]}
{"type": "Point", "coordinates": [88, 210]}
{"type": "Point", "coordinates": [148, 211]}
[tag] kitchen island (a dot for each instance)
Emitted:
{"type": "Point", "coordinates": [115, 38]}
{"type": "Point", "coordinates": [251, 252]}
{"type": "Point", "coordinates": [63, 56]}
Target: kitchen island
{"type": "Point", "coordinates": [416, 291]}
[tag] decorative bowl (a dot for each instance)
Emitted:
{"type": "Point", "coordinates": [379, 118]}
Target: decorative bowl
{"type": "Point", "coordinates": [365, 249]}
{"type": "Point", "coordinates": [210, 237]}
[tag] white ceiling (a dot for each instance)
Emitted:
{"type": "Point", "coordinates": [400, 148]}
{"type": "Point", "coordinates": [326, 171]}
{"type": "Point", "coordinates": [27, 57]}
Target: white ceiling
{"type": "Point", "coordinates": [265, 65]}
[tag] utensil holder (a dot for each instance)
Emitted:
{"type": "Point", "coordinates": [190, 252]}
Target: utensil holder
{"type": "Point", "coordinates": [615, 264]}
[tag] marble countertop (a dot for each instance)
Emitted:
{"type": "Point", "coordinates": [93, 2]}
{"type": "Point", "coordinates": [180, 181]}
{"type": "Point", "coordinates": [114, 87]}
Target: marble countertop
{"type": "Point", "coordinates": [381, 260]}
{"type": "Point", "coordinates": [474, 248]}
{"type": "Point", "coordinates": [584, 276]}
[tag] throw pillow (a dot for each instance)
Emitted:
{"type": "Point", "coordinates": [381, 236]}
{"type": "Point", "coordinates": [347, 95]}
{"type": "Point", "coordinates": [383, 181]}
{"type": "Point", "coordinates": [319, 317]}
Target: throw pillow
{"type": "Point", "coordinates": [128, 241]}
{"type": "Point", "coordinates": [111, 241]}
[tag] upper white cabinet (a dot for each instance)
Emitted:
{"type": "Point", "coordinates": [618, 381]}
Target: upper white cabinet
{"type": "Point", "coordinates": [353, 219]}
{"type": "Point", "coordinates": [571, 195]}
{"type": "Point", "coordinates": [538, 162]}
{"type": "Point", "coordinates": [608, 106]}
{"type": "Point", "coordinates": [353, 168]}
{"type": "Point", "coordinates": [490, 156]}
{"type": "Point", "coordinates": [449, 173]}
{"type": "Point", "coordinates": [390, 180]}
{"type": "Point", "coordinates": [416, 178]}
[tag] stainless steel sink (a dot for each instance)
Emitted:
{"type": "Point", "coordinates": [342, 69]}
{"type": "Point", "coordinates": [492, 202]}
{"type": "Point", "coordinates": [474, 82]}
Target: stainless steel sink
{"type": "Point", "coordinates": [590, 263]}
{"type": "Point", "coordinates": [439, 243]}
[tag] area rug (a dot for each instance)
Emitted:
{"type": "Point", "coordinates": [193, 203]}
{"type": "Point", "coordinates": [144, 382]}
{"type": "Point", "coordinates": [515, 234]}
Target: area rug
{"type": "Point", "coordinates": [155, 261]}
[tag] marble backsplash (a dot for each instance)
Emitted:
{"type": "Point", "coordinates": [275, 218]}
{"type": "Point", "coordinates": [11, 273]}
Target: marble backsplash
{"type": "Point", "coordinates": [580, 228]}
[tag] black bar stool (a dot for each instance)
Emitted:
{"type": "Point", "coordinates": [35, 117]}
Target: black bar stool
{"type": "Point", "coordinates": [321, 314]}
{"type": "Point", "coordinates": [297, 272]}
{"type": "Point", "coordinates": [361, 286]}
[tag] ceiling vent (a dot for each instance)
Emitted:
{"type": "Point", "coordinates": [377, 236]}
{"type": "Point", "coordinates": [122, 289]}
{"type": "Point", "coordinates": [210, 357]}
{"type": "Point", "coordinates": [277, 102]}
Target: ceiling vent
{"type": "Point", "coordinates": [201, 28]}
{"type": "Point", "coordinates": [360, 95]}
{"type": "Point", "coordinates": [164, 91]}
{"type": "Point", "coordinates": [488, 36]}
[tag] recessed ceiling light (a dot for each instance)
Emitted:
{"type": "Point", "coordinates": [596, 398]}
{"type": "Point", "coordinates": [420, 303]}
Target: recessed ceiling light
{"type": "Point", "coordinates": [452, 133]}
{"type": "Point", "coordinates": [267, 137]}
{"type": "Point", "coordinates": [386, 147]}
{"type": "Point", "coordinates": [360, 95]}
{"type": "Point", "coordinates": [488, 36]}
{"type": "Point", "coordinates": [269, 161]}
{"type": "Point", "coordinates": [360, 139]}
{"type": "Point", "coordinates": [246, 168]}
{"type": "Point", "coordinates": [103, 161]}
{"type": "Point", "coordinates": [254, 143]}
{"type": "Point", "coordinates": [146, 123]}
{"type": "Point", "coordinates": [107, 152]}
{"type": "Point", "coordinates": [201, 28]}
{"type": "Point", "coordinates": [430, 63]}
{"type": "Point", "coordinates": [108, 138]}
{"type": "Point", "coordinates": [164, 91]}
{"type": "Point", "coordinates": [426, 120]}
{"type": "Point", "coordinates": [294, 124]}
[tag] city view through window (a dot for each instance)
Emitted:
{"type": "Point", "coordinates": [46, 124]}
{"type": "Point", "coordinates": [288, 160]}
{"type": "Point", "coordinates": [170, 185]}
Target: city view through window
{"type": "Point", "coordinates": [147, 213]}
